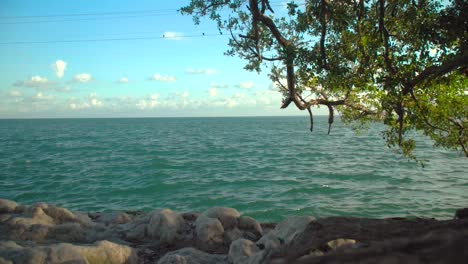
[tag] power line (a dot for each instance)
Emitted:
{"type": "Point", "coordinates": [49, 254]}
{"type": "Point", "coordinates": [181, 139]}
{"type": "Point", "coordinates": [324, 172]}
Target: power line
{"type": "Point", "coordinates": [173, 11]}
{"type": "Point", "coordinates": [111, 39]}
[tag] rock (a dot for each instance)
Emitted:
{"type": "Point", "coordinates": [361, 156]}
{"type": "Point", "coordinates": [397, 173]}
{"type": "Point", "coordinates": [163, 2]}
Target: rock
{"type": "Point", "coordinates": [227, 216]}
{"type": "Point", "coordinates": [461, 213]}
{"type": "Point", "coordinates": [269, 242]}
{"type": "Point", "coordinates": [165, 225]}
{"type": "Point", "coordinates": [7, 206]}
{"type": "Point", "coordinates": [250, 224]}
{"type": "Point", "coordinates": [243, 251]}
{"type": "Point", "coordinates": [36, 217]}
{"type": "Point", "coordinates": [339, 243]}
{"type": "Point", "coordinates": [3, 261]}
{"type": "Point", "coordinates": [114, 218]}
{"type": "Point", "coordinates": [291, 227]}
{"type": "Point", "coordinates": [209, 230]}
{"type": "Point", "coordinates": [192, 256]}
{"type": "Point", "coordinates": [69, 232]}
{"type": "Point", "coordinates": [100, 252]}
{"type": "Point", "coordinates": [232, 235]}
{"type": "Point", "coordinates": [60, 215]}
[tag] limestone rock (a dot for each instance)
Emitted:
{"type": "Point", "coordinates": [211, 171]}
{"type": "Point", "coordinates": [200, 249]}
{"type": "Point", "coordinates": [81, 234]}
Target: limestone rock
{"type": "Point", "coordinates": [227, 216]}
{"type": "Point", "coordinates": [340, 243]}
{"type": "Point", "coordinates": [209, 230]}
{"type": "Point", "coordinates": [192, 256]}
{"type": "Point", "coordinates": [115, 218]}
{"type": "Point", "coordinates": [291, 227]}
{"type": "Point", "coordinates": [232, 235]}
{"type": "Point", "coordinates": [7, 206]}
{"type": "Point", "coordinates": [60, 215]}
{"type": "Point", "coordinates": [37, 216]}
{"type": "Point", "coordinates": [165, 225]}
{"type": "Point", "coordinates": [269, 241]}
{"type": "Point", "coordinates": [250, 226]}
{"type": "Point", "coordinates": [100, 252]}
{"type": "Point", "coordinates": [243, 251]}
{"type": "Point", "coordinates": [68, 232]}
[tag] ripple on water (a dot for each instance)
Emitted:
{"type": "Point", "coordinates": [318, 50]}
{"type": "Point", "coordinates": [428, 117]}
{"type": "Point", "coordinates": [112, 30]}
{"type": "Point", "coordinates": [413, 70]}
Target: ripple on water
{"type": "Point", "coordinates": [268, 168]}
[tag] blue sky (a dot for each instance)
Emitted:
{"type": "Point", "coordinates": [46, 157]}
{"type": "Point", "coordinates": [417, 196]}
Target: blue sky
{"type": "Point", "coordinates": [182, 74]}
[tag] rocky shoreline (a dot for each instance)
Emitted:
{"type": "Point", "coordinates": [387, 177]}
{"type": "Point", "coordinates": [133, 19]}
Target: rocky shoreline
{"type": "Point", "coordinates": [43, 233]}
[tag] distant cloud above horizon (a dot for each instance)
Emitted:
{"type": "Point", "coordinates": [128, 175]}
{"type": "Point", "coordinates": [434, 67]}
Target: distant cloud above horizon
{"type": "Point", "coordinates": [59, 67]}
{"type": "Point", "coordinates": [82, 78]}
{"type": "Point", "coordinates": [123, 80]}
{"type": "Point", "coordinates": [35, 82]}
{"type": "Point", "coordinates": [171, 35]}
{"type": "Point", "coordinates": [200, 71]}
{"type": "Point", "coordinates": [163, 78]}
{"type": "Point", "coordinates": [245, 85]}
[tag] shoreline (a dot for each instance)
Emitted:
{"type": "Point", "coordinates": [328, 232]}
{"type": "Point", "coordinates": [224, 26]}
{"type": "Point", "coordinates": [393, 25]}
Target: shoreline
{"type": "Point", "coordinates": [44, 233]}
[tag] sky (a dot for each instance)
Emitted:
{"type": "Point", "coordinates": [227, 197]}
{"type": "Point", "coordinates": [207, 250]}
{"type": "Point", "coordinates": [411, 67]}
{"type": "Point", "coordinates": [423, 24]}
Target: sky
{"type": "Point", "coordinates": [166, 69]}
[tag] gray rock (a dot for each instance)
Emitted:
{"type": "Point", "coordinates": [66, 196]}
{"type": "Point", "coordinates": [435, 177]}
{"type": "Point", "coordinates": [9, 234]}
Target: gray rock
{"type": "Point", "coordinates": [100, 252]}
{"type": "Point", "coordinates": [7, 206]}
{"type": "Point", "coordinates": [291, 227]}
{"type": "Point", "coordinates": [165, 225]}
{"type": "Point", "coordinates": [269, 242]}
{"type": "Point", "coordinates": [114, 218]}
{"type": "Point", "coordinates": [227, 216]}
{"type": "Point", "coordinates": [340, 243]}
{"type": "Point", "coordinates": [232, 235]}
{"type": "Point", "coordinates": [249, 224]}
{"type": "Point", "coordinates": [243, 251]}
{"type": "Point", "coordinates": [209, 230]}
{"type": "Point", "coordinates": [60, 215]}
{"type": "Point", "coordinates": [192, 256]}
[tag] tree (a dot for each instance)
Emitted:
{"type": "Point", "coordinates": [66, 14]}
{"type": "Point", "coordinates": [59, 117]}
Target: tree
{"type": "Point", "coordinates": [400, 62]}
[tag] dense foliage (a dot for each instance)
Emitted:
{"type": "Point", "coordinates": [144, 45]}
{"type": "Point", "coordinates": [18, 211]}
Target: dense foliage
{"type": "Point", "coordinates": [401, 62]}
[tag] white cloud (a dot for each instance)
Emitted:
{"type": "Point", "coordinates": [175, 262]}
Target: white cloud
{"type": "Point", "coordinates": [160, 78]}
{"type": "Point", "coordinates": [94, 101]}
{"type": "Point", "coordinates": [123, 80]}
{"type": "Point", "coordinates": [245, 85]}
{"type": "Point", "coordinates": [59, 67]}
{"type": "Point", "coordinates": [41, 97]}
{"type": "Point", "coordinates": [213, 92]}
{"type": "Point", "coordinates": [148, 103]}
{"type": "Point", "coordinates": [173, 35]}
{"type": "Point", "coordinates": [200, 71]}
{"type": "Point", "coordinates": [14, 93]}
{"type": "Point", "coordinates": [35, 82]}
{"type": "Point", "coordinates": [82, 77]}
{"type": "Point", "coordinates": [219, 85]}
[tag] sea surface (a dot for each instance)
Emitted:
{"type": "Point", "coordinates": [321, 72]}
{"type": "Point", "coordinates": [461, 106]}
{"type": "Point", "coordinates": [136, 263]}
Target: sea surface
{"type": "Point", "coordinates": [266, 167]}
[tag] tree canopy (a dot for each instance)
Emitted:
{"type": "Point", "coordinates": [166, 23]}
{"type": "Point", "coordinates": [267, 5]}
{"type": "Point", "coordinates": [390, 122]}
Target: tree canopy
{"type": "Point", "coordinates": [400, 62]}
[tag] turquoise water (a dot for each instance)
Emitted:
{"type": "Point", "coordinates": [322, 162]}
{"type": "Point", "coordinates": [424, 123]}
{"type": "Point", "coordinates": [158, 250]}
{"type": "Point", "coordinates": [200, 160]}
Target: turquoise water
{"type": "Point", "coordinates": [266, 167]}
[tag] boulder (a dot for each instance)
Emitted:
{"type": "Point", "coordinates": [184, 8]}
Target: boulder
{"type": "Point", "coordinates": [36, 216]}
{"type": "Point", "coordinates": [100, 252]}
{"type": "Point", "coordinates": [227, 216]}
{"type": "Point", "coordinates": [114, 218]}
{"type": "Point", "coordinates": [339, 243]}
{"type": "Point", "coordinates": [288, 229]}
{"type": "Point", "coordinates": [248, 223]}
{"type": "Point", "coordinates": [269, 241]}
{"type": "Point", "coordinates": [243, 251]}
{"type": "Point", "coordinates": [165, 225]}
{"type": "Point", "coordinates": [60, 215]}
{"type": "Point", "coordinates": [7, 206]}
{"type": "Point", "coordinates": [209, 230]}
{"type": "Point", "coordinates": [192, 256]}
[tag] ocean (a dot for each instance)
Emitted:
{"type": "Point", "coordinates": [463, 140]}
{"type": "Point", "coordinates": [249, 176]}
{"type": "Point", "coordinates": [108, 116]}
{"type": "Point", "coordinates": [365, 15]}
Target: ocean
{"type": "Point", "coordinates": [265, 167]}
